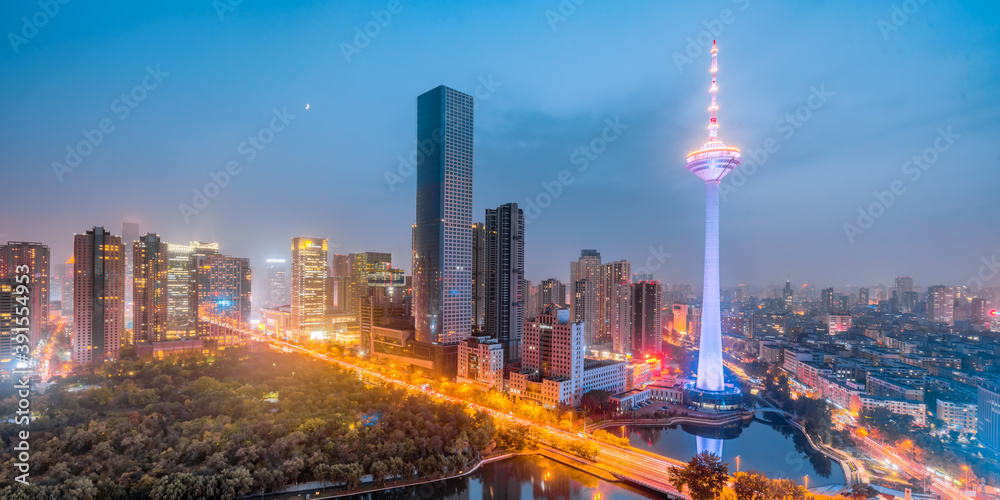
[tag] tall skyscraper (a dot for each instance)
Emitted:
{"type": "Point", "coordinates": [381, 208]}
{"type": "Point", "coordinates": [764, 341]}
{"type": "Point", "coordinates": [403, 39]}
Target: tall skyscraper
{"type": "Point", "coordinates": [479, 277]}
{"type": "Point", "coordinates": [99, 302]}
{"type": "Point", "coordinates": [442, 271]}
{"type": "Point", "coordinates": [711, 163]}
{"type": "Point", "coordinates": [130, 233]}
{"type": "Point", "coordinates": [67, 288]}
{"type": "Point", "coordinates": [149, 284]}
{"type": "Point", "coordinates": [223, 288]}
{"type": "Point", "coordinates": [18, 258]}
{"type": "Point", "coordinates": [647, 318]}
{"type": "Point", "coordinates": [904, 284]}
{"type": "Point", "coordinates": [941, 304]}
{"type": "Point", "coordinates": [182, 288]}
{"type": "Point", "coordinates": [504, 258]}
{"type": "Point", "coordinates": [309, 285]}
{"type": "Point", "coordinates": [553, 292]}
{"type": "Point", "coordinates": [615, 304]}
{"type": "Point", "coordinates": [341, 271]}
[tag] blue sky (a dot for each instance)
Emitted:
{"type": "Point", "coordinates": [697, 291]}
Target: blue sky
{"type": "Point", "coordinates": [553, 81]}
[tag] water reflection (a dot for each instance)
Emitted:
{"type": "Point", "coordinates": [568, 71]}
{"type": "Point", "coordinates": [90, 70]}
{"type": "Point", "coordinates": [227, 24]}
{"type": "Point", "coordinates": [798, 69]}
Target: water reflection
{"type": "Point", "coordinates": [776, 449]}
{"type": "Point", "coordinates": [523, 477]}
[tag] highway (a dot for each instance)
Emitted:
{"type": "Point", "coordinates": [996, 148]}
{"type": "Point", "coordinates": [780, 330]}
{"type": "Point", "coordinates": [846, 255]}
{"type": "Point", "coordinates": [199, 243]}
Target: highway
{"type": "Point", "coordinates": [640, 468]}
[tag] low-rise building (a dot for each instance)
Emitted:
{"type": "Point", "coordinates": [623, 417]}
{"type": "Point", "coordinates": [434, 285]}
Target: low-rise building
{"type": "Point", "coordinates": [917, 410]}
{"type": "Point", "coordinates": [957, 416]}
{"type": "Point", "coordinates": [604, 375]}
{"type": "Point", "coordinates": [630, 399]}
{"type": "Point", "coordinates": [480, 363]}
{"type": "Point", "coordinates": [672, 392]}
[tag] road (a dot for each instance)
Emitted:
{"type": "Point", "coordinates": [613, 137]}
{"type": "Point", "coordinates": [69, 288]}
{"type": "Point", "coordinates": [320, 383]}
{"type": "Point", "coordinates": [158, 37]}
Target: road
{"type": "Point", "coordinates": [647, 470]}
{"type": "Point", "coordinates": [939, 486]}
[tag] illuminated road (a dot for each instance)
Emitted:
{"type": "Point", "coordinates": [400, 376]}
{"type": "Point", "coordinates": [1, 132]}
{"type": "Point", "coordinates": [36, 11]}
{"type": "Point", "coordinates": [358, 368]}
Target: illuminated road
{"type": "Point", "coordinates": [647, 470]}
{"type": "Point", "coordinates": [938, 485]}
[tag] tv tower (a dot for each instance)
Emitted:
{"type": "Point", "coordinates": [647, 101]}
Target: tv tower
{"type": "Point", "coordinates": [712, 162]}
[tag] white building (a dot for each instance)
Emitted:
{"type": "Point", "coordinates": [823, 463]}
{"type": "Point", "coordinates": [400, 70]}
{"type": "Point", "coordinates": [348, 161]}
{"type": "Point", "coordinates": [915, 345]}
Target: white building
{"type": "Point", "coordinates": [915, 409]}
{"type": "Point", "coordinates": [604, 375]}
{"type": "Point", "coordinates": [958, 416]}
{"type": "Point", "coordinates": [630, 399]}
{"type": "Point", "coordinates": [838, 322]}
{"type": "Point", "coordinates": [480, 363]}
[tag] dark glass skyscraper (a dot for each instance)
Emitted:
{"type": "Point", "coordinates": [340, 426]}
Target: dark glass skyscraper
{"type": "Point", "coordinates": [505, 278]}
{"type": "Point", "coordinates": [442, 272]}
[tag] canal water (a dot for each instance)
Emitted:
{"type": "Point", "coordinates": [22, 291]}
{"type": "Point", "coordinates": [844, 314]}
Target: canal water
{"type": "Point", "coordinates": [517, 478]}
{"type": "Point", "coordinates": [776, 449]}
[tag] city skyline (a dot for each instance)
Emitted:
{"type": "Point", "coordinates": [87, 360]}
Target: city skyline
{"type": "Point", "coordinates": [527, 132]}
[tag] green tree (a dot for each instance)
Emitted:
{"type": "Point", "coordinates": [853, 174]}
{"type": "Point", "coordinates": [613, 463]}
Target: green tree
{"type": "Point", "coordinates": [751, 485]}
{"type": "Point", "coordinates": [703, 476]}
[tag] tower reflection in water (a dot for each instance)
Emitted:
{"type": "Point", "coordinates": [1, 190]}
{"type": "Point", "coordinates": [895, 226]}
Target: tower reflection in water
{"type": "Point", "coordinates": [710, 445]}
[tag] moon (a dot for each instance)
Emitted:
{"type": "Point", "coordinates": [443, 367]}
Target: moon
{"type": "Point", "coordinates": [307, 106]}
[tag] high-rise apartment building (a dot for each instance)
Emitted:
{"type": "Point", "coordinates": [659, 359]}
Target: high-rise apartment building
{"type": "Point", "coordinates": [340, 270]}
{"type": "Point", "coordinates": [553, 349]}
{"type": "Point", "coordinates": [864, 297]}
{"type": "Point", "coordinates": [99, 302]}
{"type": "Point", "coordinates": [480, 363]}
{"type": "Point", "coordinates": [149, 285]}
{"type": "Point", "coordinates": [553, 292]}
{"type": "Point", "coordinates": [786, 295]}
{"type": "Point", "coordinates": [278, 283]}
{"type": "Point", "coordinates": [647, 318]}
{"type": "Point", "coordinates": [941, 304]}
{"type": "Point", "coordinates": [504, 258]}
{"type": "Point", "coordinates": [442, 271]}
{"type": "Point", "coordinates": [584, 276]}
{"type": "Point", "coordinates": [309, 285]}
{"type": "Point", "coordinates": [828, 300]}
{"type": "Point", "coordinates": [479, 277]}
{"type": "Point", "coordinates": [67, 288]}
{"type": "Point", "coordinates": [17, 259]}
{"type": "Point", "coordinates": [904, 284]}
{"type": "Point", "coordinates": [7, 323]}
{"type": "Point", "coordinates": [130, 233]}
{"type": "Point", "coordinates": [615, 304]}
{"type": "Point", "coordinates": [988, 414]}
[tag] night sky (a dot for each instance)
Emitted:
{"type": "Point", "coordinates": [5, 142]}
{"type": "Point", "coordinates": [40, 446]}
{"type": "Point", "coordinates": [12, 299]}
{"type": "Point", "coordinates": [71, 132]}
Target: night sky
{"type": "Point", "coordinates": [888, 81]}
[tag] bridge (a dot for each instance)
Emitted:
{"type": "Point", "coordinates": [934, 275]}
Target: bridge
{"type": "Point", "coordinates": [774, 410]}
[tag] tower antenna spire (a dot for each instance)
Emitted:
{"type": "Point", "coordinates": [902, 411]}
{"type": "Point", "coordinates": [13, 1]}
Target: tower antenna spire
{"type": "Point", "coordinates": [713, 121]}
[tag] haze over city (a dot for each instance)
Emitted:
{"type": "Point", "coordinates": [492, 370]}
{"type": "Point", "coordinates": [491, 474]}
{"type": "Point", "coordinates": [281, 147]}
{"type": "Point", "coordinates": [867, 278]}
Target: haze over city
{"type": "Point", "coordinates": [545, 85]}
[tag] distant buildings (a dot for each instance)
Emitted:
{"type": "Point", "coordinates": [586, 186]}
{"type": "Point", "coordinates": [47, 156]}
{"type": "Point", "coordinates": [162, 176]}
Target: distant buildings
{"type": "Point", "coordinates": [442, 251]}
{"type": "Point", "coordinates": [18, 259]}
{"type": "Point", "coordinates": [277, 283]}
{"type": "Point", "coordinates": [309, 275]}
{"type": "Point", "coordinates": [941, 304]}
{"type": "Point", "coordinates": [99, 302]}
{"type": "Point", "coordinates": [838, 322]}
{"type": "Point", "coordinates": [828, 304]}
{"type": "Point", "coordinates": [504, 272]}
{"type": "Point", "coordinates": [149, 285]}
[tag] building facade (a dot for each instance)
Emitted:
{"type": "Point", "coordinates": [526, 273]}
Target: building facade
{"type": "Point", "coordinates": [149, 289]}
{"type": "Point", "coordinates": [309, 275]}
{"type": "Point", "coordinates": [647, 318]}
{"type": "Point", "coordinates": [99, 302]}
{"type": "Point", "coordinates": [480, 363]}
{"type": "Point", "coordinates": [18, 259]}
{"type": "Point", "coordinates": [988, 415]}
{"type": "Point", "coordinates": [442, 261]}
{"type": "Point", "coordinates": [584, 280]}
{"type": "Point", "coordinates": [941, 304]}
{"type": "Point", "coordinates": [504, 257]}
{"type": "Point", "coordinates": [615, 304]}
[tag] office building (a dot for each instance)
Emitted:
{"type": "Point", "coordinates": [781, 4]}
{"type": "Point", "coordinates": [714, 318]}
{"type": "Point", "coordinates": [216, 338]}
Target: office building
{"type": "Point", "coordinates": [552, 360]}
{"type": "Point", "coordinates": [182, 288]}
{"type": "Point", "coordinates": [361, 266]}
{"type": "Point", "coordinates": [223, 289]}
{"type": "Point", "coordinates": [647, 319]}
{"type": "Point", "coordinates": [19, 259]}
{"type": "Point", "coordinates": [149, 285]}
{"type": "Point", "coordinates": [99, 301]}
{"type": "Point", "coordinates": [340, 270]}
{"type": "Point", "coordinates": [504, 258]}
{"type": "Point", "coordinates": [442, 271]}
{"type": "Point", "coordinates": [309, 285]}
